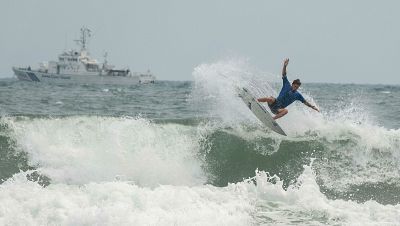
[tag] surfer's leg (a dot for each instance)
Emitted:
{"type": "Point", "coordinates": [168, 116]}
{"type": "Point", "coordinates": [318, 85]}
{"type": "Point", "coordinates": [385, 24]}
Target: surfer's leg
{"type": "Point", "coordinates": [269, 100]}
{"type": "Point", "coordinates": [281, 112]}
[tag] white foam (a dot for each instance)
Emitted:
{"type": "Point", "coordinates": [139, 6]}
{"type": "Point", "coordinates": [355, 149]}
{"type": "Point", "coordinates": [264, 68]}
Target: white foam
{"type": "Point", "coordinates": [121, 203]}
{"type": "Point", "coordinates": [244, 203]}
{"type": "Point", "coordinates": [368, 152]}
{"type": "Point", "coordinates": [92, 149]}
{"type": "Point", "coordinates": [304, 204]}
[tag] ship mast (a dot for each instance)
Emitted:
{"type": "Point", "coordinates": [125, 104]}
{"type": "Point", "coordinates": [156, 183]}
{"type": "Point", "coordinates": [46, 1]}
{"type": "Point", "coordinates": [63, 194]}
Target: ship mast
{"type": "Point", "coordinates": [85, 34]}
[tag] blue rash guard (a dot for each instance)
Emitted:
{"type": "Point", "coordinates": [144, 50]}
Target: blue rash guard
{"type": "Point", "coordinates": [286, 97]}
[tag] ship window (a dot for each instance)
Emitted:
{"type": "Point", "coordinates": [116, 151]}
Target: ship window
{"type": "Point", "coordinates": [92, 67]}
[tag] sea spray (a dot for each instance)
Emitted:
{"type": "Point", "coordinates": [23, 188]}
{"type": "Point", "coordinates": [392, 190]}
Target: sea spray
{"type": "Point", "coordinates": [87, 149]}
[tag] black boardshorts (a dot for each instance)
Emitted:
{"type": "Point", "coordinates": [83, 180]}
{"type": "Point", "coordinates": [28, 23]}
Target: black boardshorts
{"type": "Point", "coordinates": [275, 106]}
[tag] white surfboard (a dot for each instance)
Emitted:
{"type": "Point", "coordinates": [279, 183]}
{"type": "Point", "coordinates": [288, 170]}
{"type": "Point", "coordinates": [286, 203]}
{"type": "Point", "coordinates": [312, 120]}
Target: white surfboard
{"type": "Point", "coordinates": [259, 111]}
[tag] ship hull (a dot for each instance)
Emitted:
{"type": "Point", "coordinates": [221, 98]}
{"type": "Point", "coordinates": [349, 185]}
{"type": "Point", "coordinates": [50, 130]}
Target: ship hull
{"type": "Point", "coordinates": [37, 76]}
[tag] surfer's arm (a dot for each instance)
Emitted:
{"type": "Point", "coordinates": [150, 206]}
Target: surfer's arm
{"type": "Point", "coordinates": [285, 64]}
{"type": "Point", "coordinates": [311, 106]}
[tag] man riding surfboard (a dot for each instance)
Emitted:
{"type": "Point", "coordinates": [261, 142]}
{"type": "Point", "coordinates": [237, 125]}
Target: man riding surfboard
{"type": "Point", "coordinates": [287, 96]}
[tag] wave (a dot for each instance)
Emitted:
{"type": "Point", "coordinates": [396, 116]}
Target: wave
{"type": "Point", "coordinates": [352, 161]}
{"type": "Point", "coordinates": [79, 150]}
{"type": "Point", "coordinates": [355, 159]}
{"type": "Point", "coordinates": [257, 200]}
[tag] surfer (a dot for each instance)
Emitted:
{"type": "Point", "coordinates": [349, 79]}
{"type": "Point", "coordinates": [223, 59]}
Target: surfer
{"type": "Point", "coordinates": [287, 96]}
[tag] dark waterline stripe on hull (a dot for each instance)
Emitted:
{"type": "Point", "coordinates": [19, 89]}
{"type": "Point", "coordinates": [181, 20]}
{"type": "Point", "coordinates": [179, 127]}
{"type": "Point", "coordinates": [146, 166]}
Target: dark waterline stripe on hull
{"type": "Point", "coordinates": [33, 77]}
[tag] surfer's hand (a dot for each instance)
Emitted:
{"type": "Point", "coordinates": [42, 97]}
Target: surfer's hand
{"type": "Point", "coordinates": [286, 62]}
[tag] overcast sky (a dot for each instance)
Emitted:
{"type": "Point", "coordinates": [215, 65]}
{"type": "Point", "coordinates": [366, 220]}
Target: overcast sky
{"type": "Point", "coordinates": [339, 41]}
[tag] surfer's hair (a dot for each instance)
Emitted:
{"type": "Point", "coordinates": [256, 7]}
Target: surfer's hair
{"type": "Point", "coordinates": [296, 81]}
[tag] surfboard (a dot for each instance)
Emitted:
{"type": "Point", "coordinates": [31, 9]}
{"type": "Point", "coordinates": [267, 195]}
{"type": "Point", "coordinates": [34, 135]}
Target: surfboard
{"type": "Point", "coordinates": [259, 111]}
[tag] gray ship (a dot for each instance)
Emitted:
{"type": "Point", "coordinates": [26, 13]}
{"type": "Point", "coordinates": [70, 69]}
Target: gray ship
{"type": "Point", "coordinates": [75, 66]}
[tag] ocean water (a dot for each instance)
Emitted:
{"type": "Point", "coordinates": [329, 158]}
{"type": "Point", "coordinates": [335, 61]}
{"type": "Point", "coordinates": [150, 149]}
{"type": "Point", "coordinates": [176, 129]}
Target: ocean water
{"type": "Point", "coordinates": [191, 153]}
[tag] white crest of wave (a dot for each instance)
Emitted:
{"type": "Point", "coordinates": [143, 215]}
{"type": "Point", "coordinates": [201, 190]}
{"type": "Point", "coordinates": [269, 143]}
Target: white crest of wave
{"type": "Point", "coordinates": [243, 203]}
{"type": "Point", "coordinates": [121, 203]}
{"type": "Point", "coordinates": [91, 149]}
{"type": "Point", "coordinates": [304, 203]}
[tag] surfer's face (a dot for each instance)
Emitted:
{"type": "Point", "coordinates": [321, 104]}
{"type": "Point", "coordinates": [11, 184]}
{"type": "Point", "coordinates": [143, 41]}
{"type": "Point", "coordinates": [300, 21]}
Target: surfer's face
{"type": "Point", "coordinates": [295, 86]}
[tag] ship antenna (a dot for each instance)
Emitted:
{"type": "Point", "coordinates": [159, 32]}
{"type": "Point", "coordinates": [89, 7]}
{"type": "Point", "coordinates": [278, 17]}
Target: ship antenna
{"type": "Point", "coordinates": [66, 41]}
{"type": "Point", "coordinates": [105, 58]}
{"type": "Point", "coordinates": [85, 34]}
